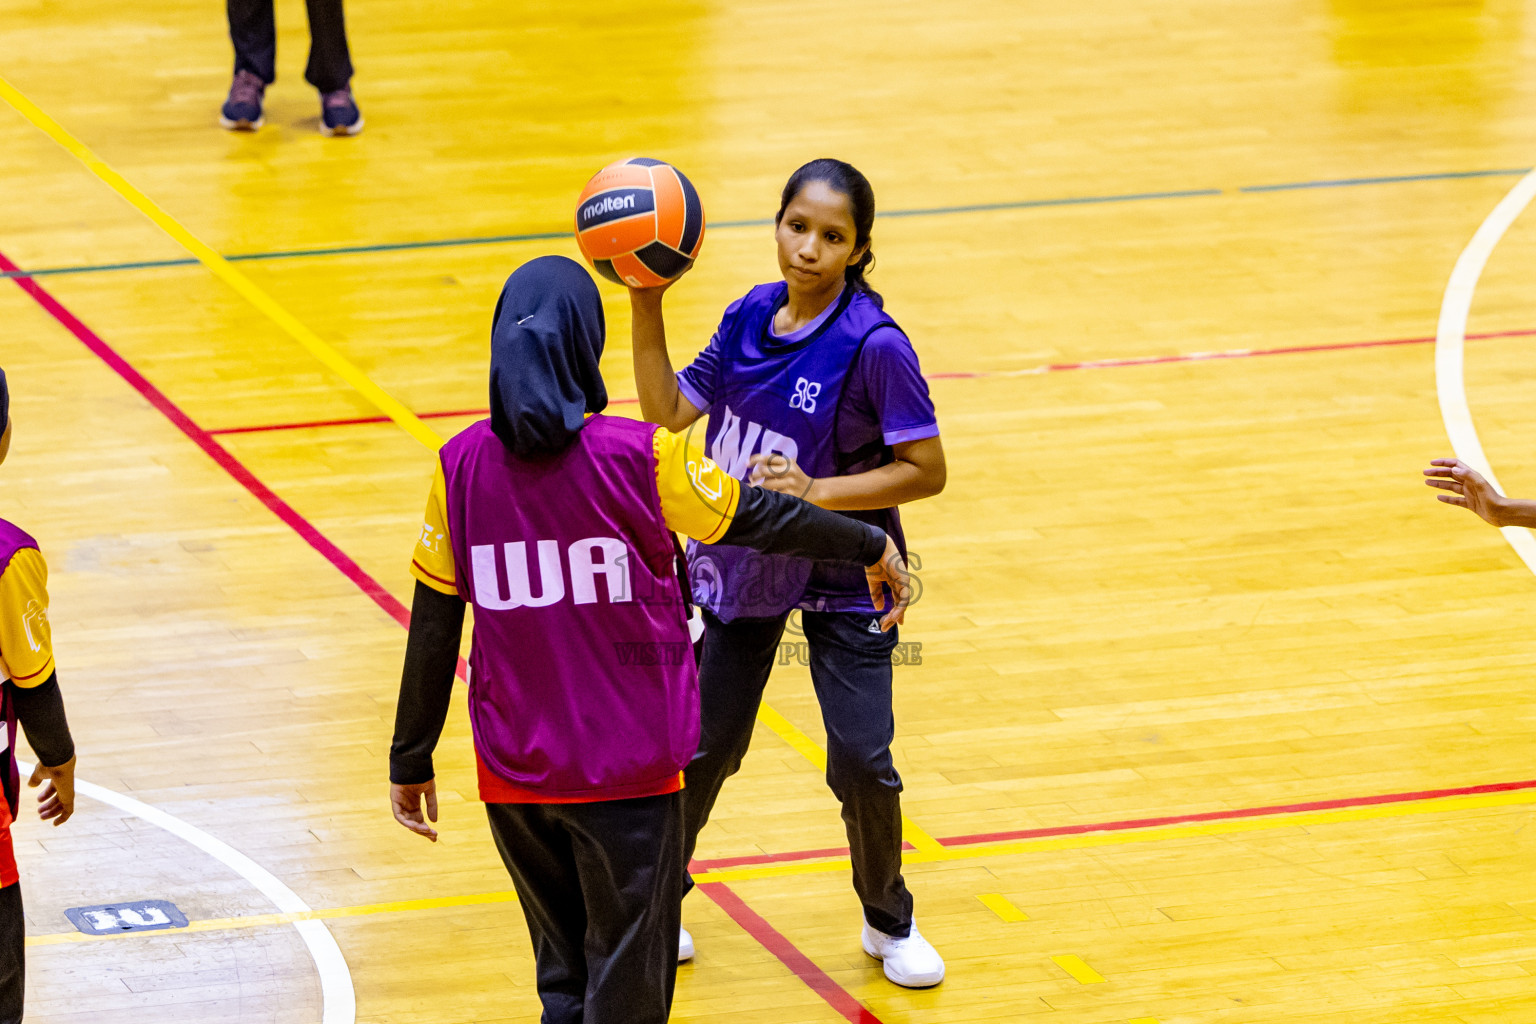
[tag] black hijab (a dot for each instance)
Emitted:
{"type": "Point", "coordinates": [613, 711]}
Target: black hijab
{"type": "Point", "coordinates": [546, 338]}
{"type": "Point", "coordinates": [5, 403]}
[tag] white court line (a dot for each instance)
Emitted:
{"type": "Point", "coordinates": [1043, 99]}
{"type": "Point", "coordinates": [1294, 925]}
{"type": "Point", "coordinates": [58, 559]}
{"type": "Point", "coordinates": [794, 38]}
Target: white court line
{"type": "Point", "coordinates": [337, 998]}
{"type": "Point", "coordinates": [1450, 337]}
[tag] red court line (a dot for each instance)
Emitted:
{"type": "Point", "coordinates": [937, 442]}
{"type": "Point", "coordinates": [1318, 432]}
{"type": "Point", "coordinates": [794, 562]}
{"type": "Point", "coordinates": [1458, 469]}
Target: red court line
{"type": "Point", "coordinates": [818, 980]}
{"type": "Point", "coordinates": [771, 939]}
{"type": "Point", "coordinates": [1238, 813]}
{"type": "Point", "coordinates": [215, 451]}
{"type": "Point", "coordinates": [752, 922]}
{"type": "Point", "coordinates": [355, 420]}
{"type": "Point", "coordinates": [1131, 824]}
{"type": "Point", "coordinates": [351, 421]}
{"type": "Point", "coordinates": [1243, 353]}
{"type": "Point", "coordinates": [775, 858]}
{"type": "Point", "coordinates": [1092, 364]}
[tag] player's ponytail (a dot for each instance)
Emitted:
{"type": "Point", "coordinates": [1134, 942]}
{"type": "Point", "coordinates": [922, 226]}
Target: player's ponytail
{"type": "Point", "coordinates": [843, 178]}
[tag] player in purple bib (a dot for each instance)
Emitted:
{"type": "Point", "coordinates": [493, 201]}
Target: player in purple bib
{"type": "Point", "coordinates": [811, 389]}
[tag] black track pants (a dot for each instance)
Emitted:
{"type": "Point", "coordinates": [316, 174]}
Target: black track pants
{"type": "Point", "coordinates": [851, 671]}
{"type": "Point", "coordinates": [13, 964]}
{"type": "Point", "coordinates": [601, 886]}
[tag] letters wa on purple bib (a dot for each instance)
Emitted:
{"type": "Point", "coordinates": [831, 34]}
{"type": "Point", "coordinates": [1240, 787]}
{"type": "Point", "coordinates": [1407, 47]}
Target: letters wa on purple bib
{"type": "Point", "coordinates": [774, 396]}
{"type": "Point", "coordinates": [569, 563]}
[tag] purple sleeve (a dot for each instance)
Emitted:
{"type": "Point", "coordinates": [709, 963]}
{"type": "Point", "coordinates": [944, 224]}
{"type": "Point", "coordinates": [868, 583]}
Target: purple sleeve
{"type": "Point", "coordinates": [697, 381]}
{"type": "Point", "coordinates": [897, 392]}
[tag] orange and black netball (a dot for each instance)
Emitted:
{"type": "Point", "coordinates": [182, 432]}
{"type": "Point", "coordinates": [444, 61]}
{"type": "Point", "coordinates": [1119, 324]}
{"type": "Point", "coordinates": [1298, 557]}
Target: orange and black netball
{"type": "Point", "coordinates": [640, 222]}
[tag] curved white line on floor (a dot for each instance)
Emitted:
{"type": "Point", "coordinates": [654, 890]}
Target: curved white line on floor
{"type": "Point", "coordinates": [1450, 337]}
{"type": "Point", "coordinates": [338, 1000]}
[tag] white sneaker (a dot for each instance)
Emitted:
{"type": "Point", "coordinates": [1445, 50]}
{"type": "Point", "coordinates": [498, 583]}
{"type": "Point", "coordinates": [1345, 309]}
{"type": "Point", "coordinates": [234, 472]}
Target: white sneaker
{"type": "Point", "coordinates": [685, 946]}
{"type": "Point", "coordinates": [910, 962]}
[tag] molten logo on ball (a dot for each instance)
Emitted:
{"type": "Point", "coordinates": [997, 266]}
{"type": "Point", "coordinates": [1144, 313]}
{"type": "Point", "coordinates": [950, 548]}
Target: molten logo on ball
{"type": "Point", "coordinates": [607, 204]}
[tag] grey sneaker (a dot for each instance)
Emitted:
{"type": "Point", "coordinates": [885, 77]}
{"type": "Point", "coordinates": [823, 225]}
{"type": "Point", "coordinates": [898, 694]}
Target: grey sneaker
{"type": "Point", "coordinates": [339, 114]}
{"type": "Point", "coordinates": [242, 111]}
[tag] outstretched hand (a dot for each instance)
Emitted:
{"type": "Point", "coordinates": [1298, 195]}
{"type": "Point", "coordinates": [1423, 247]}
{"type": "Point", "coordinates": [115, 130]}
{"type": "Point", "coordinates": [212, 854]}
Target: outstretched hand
{"type": "Point", "coordinates": [890, 571]}
{"type": "Point", "coordinates": [406, 802]}
{"type": "Point", "coordinates": [1468, 489]}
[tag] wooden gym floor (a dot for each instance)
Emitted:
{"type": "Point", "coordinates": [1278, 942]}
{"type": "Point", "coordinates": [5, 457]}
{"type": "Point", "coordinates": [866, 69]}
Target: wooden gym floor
{"type": "Point", "coordinates": [1220, 718]}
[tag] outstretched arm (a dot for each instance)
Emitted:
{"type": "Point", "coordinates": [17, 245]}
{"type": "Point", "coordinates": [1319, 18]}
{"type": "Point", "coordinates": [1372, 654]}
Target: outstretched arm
{"type": "Point", "coordinates": [781, 524]}
{"type": "Point", "coordinates": [661, 400]}
{"type": "Point", "coordinates": [1468, 489]}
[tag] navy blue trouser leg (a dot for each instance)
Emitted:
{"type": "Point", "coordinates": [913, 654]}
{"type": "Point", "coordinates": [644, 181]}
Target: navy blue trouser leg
{"type": "Point", "coordinates": [851, 670]}
{"type": "Point", "coordinates": [330, 60]}
{"type": "Point", "coordinates": [253, 30]}
{"type": "Point", "coordinates": [734, 663]}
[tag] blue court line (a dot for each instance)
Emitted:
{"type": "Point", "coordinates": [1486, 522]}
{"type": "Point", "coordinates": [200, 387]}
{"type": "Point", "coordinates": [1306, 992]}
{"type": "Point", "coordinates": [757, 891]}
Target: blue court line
{"type": "Point", "coordinates": [932, 211]}
{"type": "Point", "coordinates": [1391, 180]}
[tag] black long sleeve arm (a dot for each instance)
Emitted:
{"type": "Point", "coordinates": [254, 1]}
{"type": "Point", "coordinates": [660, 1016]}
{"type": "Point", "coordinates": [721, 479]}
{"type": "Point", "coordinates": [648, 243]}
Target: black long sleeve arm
{"type": "Point", "coordinates": [426, 684]}
{"type": "Point", "coordinates": [40, 710]}
{"type": "Point", "coordinates": [782, 524]}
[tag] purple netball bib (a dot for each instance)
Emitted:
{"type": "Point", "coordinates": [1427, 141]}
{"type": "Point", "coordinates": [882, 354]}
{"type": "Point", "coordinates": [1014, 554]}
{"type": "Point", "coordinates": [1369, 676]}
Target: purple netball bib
{"type": "Point", "coordinates": [775, 397]}
{"type": "Point", "coordinates": [582, 677]}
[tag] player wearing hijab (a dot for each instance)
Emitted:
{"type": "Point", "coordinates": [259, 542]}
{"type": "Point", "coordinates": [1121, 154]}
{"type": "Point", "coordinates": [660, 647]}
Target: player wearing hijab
{"type": "Point", "coordinates": [583, 693]}
{"type": "Point", "coordinates": [30, 696]}
{"type": "Point", "coordinates": [811, 389]}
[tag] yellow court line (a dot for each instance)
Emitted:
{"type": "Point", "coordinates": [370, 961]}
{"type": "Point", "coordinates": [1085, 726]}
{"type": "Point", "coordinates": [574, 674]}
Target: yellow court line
{"type": "Point", "coordinates": [224, 270]}
{"type": "Point", "coordinates": [1002, 907]}
{"type": "Point", "coordinates": [334, 360]}
{"type": "Point", "coordinates": [1143, 1020]}
{"type": "Point", "coordinates": [1082, 972]}
{"type": "Point", "coordinates": [1162, 833]}
{"type": "Point", "coordinates": [213, 924]}
{"type": "Point", "coordinates": [812, 752]}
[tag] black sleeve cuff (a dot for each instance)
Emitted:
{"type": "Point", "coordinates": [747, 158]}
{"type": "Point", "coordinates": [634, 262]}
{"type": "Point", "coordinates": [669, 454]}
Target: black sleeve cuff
{"type": "Point", "coordinates": [40, 710]}
{"type": "Point", "coordinates": [410, 771]}
{"type": "Point", "coordinates": [874, 546]}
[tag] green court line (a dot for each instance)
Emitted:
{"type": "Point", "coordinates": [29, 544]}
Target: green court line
{"type": "Point", "coordinates": [931, 211]}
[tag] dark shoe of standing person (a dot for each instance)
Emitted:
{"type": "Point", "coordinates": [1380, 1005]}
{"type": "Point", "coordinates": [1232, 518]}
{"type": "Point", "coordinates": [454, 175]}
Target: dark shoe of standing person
{"type": "Point", "coordinates": [339, 114]}
{"type": "Point", "coordinates": [242, 111]}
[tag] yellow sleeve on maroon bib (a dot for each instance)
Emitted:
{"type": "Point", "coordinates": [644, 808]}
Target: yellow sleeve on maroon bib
{"type": "Point", "coordinates": [432, 562]}
{"type": "Point", "coordinates": [26, 641]}
{"type": "Point", "coordinates": [698, 499]}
